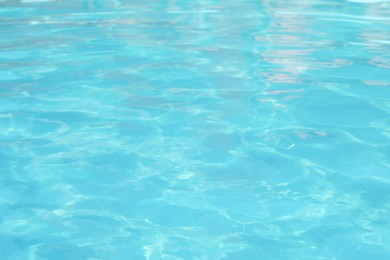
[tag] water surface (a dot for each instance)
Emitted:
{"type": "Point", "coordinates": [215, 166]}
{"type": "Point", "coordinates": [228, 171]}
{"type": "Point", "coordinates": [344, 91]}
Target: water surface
{"type": "Point", "coordinates": [194, 129]}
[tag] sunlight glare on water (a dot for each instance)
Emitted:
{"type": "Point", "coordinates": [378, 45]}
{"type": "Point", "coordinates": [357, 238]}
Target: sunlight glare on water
{"type": "Point", "coordinates": [188, 129]}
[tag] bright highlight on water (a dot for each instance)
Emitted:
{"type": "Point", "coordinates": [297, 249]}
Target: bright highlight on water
{"type": "Point", "coordinates": [187, 129]}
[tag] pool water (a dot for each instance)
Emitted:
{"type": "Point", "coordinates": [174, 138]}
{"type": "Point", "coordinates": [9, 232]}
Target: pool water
{"type": "Point", "coordinates": [188, 129]}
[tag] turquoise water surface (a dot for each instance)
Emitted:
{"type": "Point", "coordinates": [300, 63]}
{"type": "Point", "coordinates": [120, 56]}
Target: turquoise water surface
{"type": "Point", "coordinates": [188, 129]}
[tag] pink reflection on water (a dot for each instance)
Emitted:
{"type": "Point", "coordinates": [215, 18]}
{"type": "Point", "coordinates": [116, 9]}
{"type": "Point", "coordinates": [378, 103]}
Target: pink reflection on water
{"type": "Point", "coordinates": [288, 54]}
{"type": "Point", "coordinates": [377, 39]}
{"type": "Point", "coordinates": [280, 95]}
{"type": "Point", "coordinates": [376, 83]}
{"type": "Point", "coordinates": [279, 91]}
{"type": "Point", "coordinates": [302, 134]}
{"type": "Point", "coordinates": [380, 62]}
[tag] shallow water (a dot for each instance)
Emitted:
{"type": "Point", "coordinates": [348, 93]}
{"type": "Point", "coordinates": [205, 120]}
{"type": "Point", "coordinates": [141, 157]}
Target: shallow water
{"type": "Point", "coordinates": [194, 129]}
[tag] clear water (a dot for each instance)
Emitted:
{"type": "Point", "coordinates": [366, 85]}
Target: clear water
{"type": "Point", "coordinates": [190, 129]}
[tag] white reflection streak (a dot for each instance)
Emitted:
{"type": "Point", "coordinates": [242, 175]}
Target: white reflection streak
{"type": "Point", "coordinates": [337, 15]}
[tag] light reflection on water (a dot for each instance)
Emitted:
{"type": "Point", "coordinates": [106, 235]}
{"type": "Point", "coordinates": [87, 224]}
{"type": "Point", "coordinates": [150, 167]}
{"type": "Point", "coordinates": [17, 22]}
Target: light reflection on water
{"type": "Point", "coordinates": [194, 129]}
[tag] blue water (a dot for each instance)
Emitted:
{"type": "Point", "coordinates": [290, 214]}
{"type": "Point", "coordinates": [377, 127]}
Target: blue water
{"type": "Point", "coordinates": [188, 129]}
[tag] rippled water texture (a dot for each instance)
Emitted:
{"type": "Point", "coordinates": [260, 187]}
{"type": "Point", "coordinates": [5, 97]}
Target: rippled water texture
{"type": "Point", "coordinates": [186, 129]}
